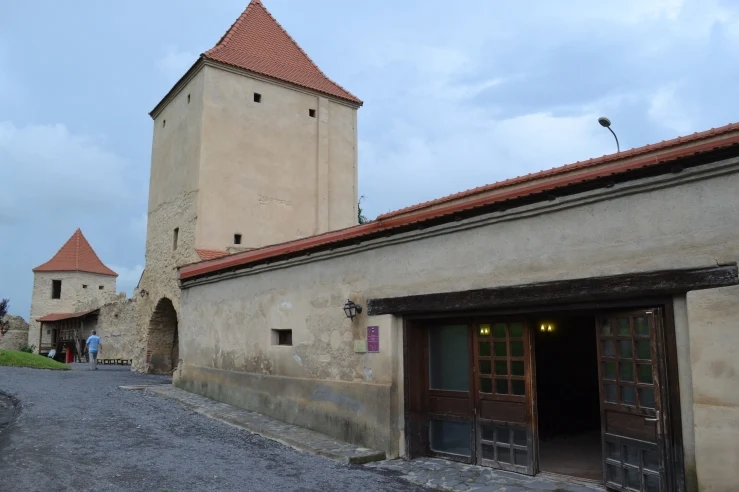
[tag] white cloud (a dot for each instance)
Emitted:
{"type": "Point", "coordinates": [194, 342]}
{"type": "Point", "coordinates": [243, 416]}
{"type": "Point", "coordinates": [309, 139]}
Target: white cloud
{"type": "Point", "coordinates": [128, 278]}
{"type": "Point", "coordinates": [175, 63]}
{"type": "Point", "coordinates": [666, 109]}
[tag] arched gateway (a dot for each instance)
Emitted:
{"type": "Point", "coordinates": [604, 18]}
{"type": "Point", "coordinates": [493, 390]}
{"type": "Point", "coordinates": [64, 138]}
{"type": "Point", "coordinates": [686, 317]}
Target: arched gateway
{"type": "Point", "coordinates": [162, 350]}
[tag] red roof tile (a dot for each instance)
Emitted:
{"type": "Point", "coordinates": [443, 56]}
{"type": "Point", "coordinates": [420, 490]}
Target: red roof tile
{"type": "Point", "coordinates": [590, 163]}
{"type": "Point", "coordinates": [210, 254]}
{"type": "Point", "coordinates": [258, 43]}
{"type": "Point", "coordinates": [62, 316]}
{"type": "Point", "coordinates": [76, 256]}
{"type": "Point", "coordinates": [532, 184]}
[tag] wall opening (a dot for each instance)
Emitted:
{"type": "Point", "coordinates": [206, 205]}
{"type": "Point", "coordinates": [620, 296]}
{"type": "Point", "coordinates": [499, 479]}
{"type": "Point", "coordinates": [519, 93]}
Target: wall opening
{"type": "Point", "coordinates": [101, 287]}
{"type": "Point", "coordinates": [257, 97]}
{"type": "Point", "coordinates": [56, 289]}
{"type": "Point", "coordinates": [237, 238]}
{"type": "Point", "coordinates": [188, 99]}
{"type": "Point", "coordinates": [164, 123]}
{"type": "Point", "coordinates": [312, 113]}
{"type": "Point", "coordinates": [567, 397]}
{"type": "Point", "coordinates": [162, 351]}
{"type": "Point", "coordinates": [282, 337]}
{"type": "Point", "coordinates": [84, 286]}
{"type": "Point", "coordinates": [175, 238]}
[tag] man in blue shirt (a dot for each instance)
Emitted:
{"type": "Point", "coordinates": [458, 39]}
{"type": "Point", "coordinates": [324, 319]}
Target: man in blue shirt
{"type": "Point", "coordinates": [93, 345]}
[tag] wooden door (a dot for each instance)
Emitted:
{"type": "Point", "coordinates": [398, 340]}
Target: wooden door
{"type": "Point", "coordinates": [503, 395]}
{"type": "Point", "coordinates": [629, 373]}
{"type": "Point", "coordinates": [449, 398]}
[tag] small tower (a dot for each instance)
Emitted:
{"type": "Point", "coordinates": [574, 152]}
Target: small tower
{"type": "Point", "coordinates": [253, 146]}
{"type": "Point", "coordinates": [73, 280]}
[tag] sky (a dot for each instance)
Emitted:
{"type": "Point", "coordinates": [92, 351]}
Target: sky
{"type": "Point", "coordinates": [455, 96]}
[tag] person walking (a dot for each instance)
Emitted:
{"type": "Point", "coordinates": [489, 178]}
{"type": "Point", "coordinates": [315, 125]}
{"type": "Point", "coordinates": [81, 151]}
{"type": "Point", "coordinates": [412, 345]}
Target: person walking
{"type": "Point", "coordinates": [93, 345]}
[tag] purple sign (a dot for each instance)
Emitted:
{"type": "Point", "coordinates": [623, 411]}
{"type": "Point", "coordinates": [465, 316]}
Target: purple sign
{"type": "Point", "coordinates": [373, 339]}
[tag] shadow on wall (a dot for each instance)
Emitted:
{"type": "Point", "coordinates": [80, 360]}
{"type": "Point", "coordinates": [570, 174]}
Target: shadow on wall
{"type": "Point", "coordinates": [162, 351]}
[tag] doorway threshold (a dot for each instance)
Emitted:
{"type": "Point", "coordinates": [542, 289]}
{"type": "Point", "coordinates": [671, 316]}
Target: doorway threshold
{"type": "Point", "coordinates": [443, 474]}
{"type": "Point", "coordinates": [594, 484]}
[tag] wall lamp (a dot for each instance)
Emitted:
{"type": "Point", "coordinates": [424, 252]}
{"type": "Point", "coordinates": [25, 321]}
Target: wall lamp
{"type": "Point", "coordinates": [351, 309]}
{"type": "Point", "coordinates": [548, 327]}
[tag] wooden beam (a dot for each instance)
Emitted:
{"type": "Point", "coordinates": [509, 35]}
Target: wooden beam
{"type": "Point", "coordinates": [577, 290]}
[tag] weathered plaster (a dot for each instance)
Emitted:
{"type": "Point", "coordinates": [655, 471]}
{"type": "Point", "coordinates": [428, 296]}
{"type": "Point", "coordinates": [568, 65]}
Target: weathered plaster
{"type": "Point", "coordinates": [714, 339]}
{"type": "Point", "coordinates": [674, 222]}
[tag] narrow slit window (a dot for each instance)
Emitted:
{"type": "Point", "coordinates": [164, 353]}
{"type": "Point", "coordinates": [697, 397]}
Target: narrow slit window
{"type": "Point", "coordinates": [164, 123]}
{"type": "Point", "coordinates": [56, 289]}
{"type": "Point", "coordinates": [282, 337]}
{"type": "Point", "coordinates": [237, 238]}
{"type": "Point", "coordinates": [175, 237]}
{"type": "Point", "coordinates": [188, 99]}
{"type": "Point", "coordinates": [312, 113]}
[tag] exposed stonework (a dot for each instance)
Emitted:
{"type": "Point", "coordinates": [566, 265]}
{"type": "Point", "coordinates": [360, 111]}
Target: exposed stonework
{"type": "Point", "coordinates": [14, 333]}
{"type": "Point", "coordinates": [116, 326]}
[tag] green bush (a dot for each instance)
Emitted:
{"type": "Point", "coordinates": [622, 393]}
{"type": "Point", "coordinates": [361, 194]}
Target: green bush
{"type": "Point", "coordinates": [27, 349]}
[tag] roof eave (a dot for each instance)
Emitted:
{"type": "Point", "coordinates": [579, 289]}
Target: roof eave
{"type": "Point", "coordinates": [355, 103]}
{"type": "Point", "coordinates": [177, 87]}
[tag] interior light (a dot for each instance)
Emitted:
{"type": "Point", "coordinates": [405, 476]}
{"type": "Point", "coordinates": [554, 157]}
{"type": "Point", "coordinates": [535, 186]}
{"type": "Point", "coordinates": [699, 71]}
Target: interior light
{"type": "Point", "coordinates": [543, 328]}
{"type": "Point", "coordinates": [484, 329]}
{"type": "Point", "coordinates": [550, 328]}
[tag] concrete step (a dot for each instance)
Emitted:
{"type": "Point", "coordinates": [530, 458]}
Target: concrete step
{"type": "Point", "coordinates": [294, 436]}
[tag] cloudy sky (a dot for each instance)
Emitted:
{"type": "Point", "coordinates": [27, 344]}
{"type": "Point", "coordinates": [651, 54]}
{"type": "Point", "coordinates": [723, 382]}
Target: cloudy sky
{"type": "Point", "coordinates": [455, 97]}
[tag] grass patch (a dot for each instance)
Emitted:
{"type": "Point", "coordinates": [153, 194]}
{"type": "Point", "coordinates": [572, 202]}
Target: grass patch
{"type": "Point", "coordinates": [23, 359]}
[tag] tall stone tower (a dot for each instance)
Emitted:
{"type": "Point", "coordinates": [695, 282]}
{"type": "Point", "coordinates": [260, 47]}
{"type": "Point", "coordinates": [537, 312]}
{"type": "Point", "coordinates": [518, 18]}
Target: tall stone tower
{"type": "Point", "coordinates": [72, 280]}
{"type": "Point", "coordinates": [253, 146]}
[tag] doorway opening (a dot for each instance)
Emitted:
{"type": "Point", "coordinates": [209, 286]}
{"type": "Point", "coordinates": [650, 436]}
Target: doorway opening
{"type": "Point", "coordinates": [568, 400]}
{"type": "Point", "coordinates": [162, 352]}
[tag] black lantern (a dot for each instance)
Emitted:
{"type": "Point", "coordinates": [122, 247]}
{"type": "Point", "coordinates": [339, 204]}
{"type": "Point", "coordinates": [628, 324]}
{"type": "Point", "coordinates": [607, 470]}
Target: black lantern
{"type": "Point", "coordinates": [351, 309]}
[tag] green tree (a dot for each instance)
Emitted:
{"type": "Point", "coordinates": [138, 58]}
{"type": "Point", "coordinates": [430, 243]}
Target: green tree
{"type": "Point", "coordinates": [361, 218]}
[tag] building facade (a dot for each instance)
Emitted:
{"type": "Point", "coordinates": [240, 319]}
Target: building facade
{"type": "Point", "coordinates": [253, 146]}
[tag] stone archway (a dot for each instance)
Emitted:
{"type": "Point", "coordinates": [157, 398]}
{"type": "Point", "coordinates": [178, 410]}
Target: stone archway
{"type": "Point", "coordinates": [162, 349]}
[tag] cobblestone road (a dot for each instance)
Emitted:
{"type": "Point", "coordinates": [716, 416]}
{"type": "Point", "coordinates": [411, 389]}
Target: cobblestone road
{"type": "Point", "coordinates": [77, 431]}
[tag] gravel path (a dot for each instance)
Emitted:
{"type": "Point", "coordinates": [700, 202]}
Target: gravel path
{"type": "Point", "coordinates": [77, 431]}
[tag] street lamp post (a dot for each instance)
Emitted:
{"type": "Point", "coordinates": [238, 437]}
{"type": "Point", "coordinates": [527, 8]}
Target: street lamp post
{"type": "Point", "coordinates": [606, 123]}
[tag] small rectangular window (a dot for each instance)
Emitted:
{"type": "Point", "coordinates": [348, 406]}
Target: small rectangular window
{"type": "Point", "coordinates": [257, 97]}
{"type": "Point", "coordinates": [100, 287]}
{"type": "Point", "coordinates": [84, 286]}
{"type": "Point", "coordinates": [56, 289]}
{"type": "Point", "coordinates": [282, 337]}
{"type": "Point", "coordinates": [237, 238]}
{"type": "Point", "coordinates": [312, 113]}
{"type": "Point", "coordinates": [175, 237]}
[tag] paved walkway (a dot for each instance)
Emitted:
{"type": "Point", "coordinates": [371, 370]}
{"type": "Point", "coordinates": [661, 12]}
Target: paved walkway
{"type": "Point", "coordinates": [296, 437]}
{"type": "Point", "coordinates": [449, 475]}
{"type": "Point", "coordinates": [434, 473]}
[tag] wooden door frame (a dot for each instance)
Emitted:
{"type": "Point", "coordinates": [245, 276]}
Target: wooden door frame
{"type": "Point", "coordinates": [671, 416]}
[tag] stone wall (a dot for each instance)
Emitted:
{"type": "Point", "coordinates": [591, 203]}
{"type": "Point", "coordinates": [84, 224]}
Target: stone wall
{"type": "Point", "coordinates": [16, 335]}
{"type": "Point", "coordinates": [116, 326]}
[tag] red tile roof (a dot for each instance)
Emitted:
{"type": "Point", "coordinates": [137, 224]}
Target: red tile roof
{"type": "Point", "coordinates": [532, 184]}
{"type": "Point", "coordinates": [76, 256]}
{"type": "Point", "coordinates": [258, 43]}
{"type": "Point", "coordinates": [62, 316]}
{"type": "Point", "coordinates": [210, 254]}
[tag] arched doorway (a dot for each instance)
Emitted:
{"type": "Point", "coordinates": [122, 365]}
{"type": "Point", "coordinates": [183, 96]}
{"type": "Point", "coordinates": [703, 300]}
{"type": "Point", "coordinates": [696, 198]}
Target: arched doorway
{"type": "Point", "coordinates": [162, 350]}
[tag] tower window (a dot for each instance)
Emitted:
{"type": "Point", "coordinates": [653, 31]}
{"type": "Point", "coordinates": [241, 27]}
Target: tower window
{"type": "Point", "coordinates": [312, 113]}
{"type": "Point", "coordinates": [188, 99]}
{"type": "Point", "coordinates": [237, 238]}
{"type": "Point", "coordinates": [175, 237]}
{"type": "Point", "coordinates": [164, 123]}
{"type": "Point", "coordinates": [282, 337]}
{"type": "Point", "coordinates": [84, 286]}
{"type": "Point", "coordinates": [100, 287]}
{"type": "Point", "coordinates": [56, 289]}
{"type": "Point", "coordinates": [257, 97]}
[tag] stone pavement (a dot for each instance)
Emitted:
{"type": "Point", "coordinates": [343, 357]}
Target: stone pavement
{"type": "Point", "coordinates": [449, 475]}
{"type": "Point", "coordinates": [296, 437]}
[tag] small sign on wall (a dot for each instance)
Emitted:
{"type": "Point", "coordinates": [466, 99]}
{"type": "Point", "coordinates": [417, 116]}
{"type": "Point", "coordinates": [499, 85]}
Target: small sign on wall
{"type": "Point", "coordinates": [373, 339]}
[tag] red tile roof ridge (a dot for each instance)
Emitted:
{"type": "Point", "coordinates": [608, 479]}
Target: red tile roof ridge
{"type": "Point", "coordinates": [229, 36]}
{"type": "Point", "coordinates": [210, 254]}
{"type": "Point", "coordinates": [388, 223]}
{"type": "Point", "coordinates": [76, 255]}
{"type": "Point", "coordinates": [577, 165]}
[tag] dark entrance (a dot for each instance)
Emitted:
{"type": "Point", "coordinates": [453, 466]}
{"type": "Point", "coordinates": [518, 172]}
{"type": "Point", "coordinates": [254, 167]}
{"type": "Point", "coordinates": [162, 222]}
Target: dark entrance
{"type": "Point", "coordinates": [579, 392]}
{"type": "Point", "coordinates": [567, 396]}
